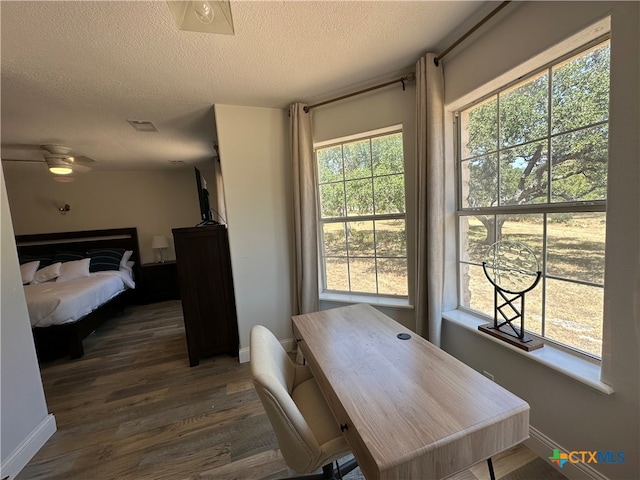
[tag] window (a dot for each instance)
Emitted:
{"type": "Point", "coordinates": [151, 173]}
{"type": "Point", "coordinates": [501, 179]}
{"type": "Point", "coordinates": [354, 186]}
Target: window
{"type": "Point", "coordinates": [532, 168]}
{"type": "Point", "coordinates": [362, 214]}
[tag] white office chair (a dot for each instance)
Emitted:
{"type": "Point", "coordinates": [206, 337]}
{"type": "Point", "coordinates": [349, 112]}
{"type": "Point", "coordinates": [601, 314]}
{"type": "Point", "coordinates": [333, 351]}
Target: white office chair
{"type": "Point", "coordinates": [307, 433]}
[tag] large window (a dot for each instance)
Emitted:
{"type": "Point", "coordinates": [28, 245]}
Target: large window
{"type": "Point", "coordinates": [533, 169]}
{"type": "Point", "coordinates": [362, 214]}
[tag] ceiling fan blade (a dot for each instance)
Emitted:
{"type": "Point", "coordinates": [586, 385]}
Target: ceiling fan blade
{"type": "Point", "coordinates": [22, 160]}
{"type": "Point", "coordinates": [20, 146]}
{"type": "Point", "coordinates": [83, 159]}
{"type": "Point", "coordinates": [54, 155]}
{"type": "Point", "coordinates": [78, 167]}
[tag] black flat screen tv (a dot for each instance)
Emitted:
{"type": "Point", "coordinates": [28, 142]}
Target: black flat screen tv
{"type": "Point", "coordinates": [206, 215]}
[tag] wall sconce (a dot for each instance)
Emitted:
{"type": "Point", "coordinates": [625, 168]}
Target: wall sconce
{"type": "Point", "coordinates": [65, 209]}
{"type": "Point", "coordinates": [159, 243]}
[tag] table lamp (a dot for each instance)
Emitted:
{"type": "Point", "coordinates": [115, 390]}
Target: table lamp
{"type": "Point", "coordinates": [159, 243]}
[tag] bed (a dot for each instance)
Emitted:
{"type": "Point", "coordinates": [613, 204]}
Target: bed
{"type": "Point", "coordinates": [80, 280]}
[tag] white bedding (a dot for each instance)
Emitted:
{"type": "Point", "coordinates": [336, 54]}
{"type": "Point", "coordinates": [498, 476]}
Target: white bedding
{"type": "Point", "coordinates": [56, 303]}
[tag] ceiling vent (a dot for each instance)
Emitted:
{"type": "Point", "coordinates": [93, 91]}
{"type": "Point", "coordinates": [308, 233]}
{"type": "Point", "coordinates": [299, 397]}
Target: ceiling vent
{"type": "Point", "coordinates": [143, 125]}
{"type": "Point", "coordinates": [177, 163]}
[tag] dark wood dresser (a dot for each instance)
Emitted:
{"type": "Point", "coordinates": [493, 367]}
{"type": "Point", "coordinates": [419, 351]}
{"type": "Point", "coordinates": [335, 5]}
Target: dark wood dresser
{"type": "Point", "coordinates": [206, 289]}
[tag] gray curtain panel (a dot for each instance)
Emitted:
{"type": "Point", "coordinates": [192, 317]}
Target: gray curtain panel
{"type": "Point", "coordinates": [304, 211]}
{"type": "Point", "coordinates": [430, 197]}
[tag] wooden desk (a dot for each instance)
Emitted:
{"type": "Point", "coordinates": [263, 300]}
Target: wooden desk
{"type": "Point", "coordinates": [407, 409]}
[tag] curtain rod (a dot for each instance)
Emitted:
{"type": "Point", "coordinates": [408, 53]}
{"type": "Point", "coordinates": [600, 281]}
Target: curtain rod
{"type": "Point", "coordinates": [437, 59]}
{"type": "Point", "coordinates": [411, 76]}
{"type": "Point", "coordinates": [407, 78]}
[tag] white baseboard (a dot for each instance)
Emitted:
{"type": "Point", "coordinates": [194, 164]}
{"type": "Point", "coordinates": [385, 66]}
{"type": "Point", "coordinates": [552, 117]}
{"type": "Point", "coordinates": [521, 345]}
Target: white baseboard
{"type": "Point", "coordinates": [288, 344]}
{"type": "Point", "coordinates": [28, 448]}
{"type": "Point", "coordinates": [543, 446]}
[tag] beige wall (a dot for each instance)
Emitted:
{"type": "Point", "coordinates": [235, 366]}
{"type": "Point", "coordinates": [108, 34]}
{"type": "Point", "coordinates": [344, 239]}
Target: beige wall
{"type": "Point", "coordinates": [25, 423]}
{"type": "Point", "coordinates": [378, 109]}
{"type": "Point", "coordinates": [153, 201]}
{"type": "Point", "coordinates": [254, 148]}
{"type": "Point", "coordinates": [571, 414]}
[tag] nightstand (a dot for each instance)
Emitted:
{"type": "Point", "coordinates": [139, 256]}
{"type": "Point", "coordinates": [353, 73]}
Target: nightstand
{"type": "Point", "coordinates": [157, 282]}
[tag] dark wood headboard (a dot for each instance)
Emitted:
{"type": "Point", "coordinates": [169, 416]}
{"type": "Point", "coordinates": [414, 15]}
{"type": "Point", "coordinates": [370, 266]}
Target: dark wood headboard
{"type": "Point", "coordinates": [49, 243]}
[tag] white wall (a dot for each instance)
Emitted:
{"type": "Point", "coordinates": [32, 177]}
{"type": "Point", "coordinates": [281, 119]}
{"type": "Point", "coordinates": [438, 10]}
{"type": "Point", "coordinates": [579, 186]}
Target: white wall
{"type": "Point", "coordinates": [256, 167]}
{"type": "Point", "coordinates": [378, 109]}
{"type": "Point", "coordinates": [153, 201]}
{"type": "Point", "coordinates": [569, 413]}
{"type": "Point", "coordinates": [25, 424]}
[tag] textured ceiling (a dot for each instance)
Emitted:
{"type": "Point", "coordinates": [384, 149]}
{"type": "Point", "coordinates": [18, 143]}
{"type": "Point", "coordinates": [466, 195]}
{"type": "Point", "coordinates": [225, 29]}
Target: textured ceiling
{"type": "Point", "coordinates": [73, 73]}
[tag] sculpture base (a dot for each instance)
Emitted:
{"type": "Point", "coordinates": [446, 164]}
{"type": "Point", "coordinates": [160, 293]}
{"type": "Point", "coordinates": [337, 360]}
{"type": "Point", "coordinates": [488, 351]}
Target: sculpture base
{"type": "Point", "coordinates": [528, 343]}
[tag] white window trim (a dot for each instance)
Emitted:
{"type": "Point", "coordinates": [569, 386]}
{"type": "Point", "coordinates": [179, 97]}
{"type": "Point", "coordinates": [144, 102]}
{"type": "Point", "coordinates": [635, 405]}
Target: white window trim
{"type": "Point", "coordinates": [358, 136]}
{"type": "Point", "coordinates": [576, 366]}
{"type": "Point", "coordinates": [597, 206]}
{"type": "Point", "coordinates": [375, 299]}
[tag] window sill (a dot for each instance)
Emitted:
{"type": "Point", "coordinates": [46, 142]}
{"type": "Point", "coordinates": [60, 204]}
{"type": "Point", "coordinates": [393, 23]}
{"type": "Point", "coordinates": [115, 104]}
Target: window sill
{"type": "Point", "coordinates": [573, 365]}
{"type": "Point", "coordinates": [371, 300]}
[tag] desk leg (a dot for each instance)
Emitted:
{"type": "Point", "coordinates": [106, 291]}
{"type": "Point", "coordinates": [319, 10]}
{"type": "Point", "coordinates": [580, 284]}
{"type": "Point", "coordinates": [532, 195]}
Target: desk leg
{"type": "Point", "coordinates": [490, 464]}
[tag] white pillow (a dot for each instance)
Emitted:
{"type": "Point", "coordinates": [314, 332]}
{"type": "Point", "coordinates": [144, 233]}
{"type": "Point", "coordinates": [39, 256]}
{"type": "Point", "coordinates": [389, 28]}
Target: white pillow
{"type": "Point", "coordinates": [126, 257]}
{"type": "Point", "coordinates": [28, 271]}
{"type": "Point", "coordinates": [47, 273]}
{"type": "Point", "coordinates": [74, 270]}
{"type": "Point", "coordinates": [127, 268]}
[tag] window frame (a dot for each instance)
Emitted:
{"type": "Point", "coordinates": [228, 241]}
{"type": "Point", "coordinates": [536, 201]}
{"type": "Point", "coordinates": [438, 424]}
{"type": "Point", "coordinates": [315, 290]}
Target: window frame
{"type": "Point", "coordinates": [331, 294]}
{"type": "Point", "coordinates": [544, 209]}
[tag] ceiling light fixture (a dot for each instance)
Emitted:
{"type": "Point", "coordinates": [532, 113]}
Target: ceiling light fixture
{"type": "Point", "coordinates": [61, 170]}
{"type": "Point", "coordinates": [203, 16]}
{"type": "Point", "coordinates": [59, 164]}
{"type": "Point", "coordinates": [203, 12]}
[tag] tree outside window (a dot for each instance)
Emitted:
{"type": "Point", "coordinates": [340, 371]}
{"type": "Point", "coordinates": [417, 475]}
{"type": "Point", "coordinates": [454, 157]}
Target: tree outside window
{"type": "Point", "coordinates": [533, 168]}
{"type": "Point", "coordinates": [362, 215]}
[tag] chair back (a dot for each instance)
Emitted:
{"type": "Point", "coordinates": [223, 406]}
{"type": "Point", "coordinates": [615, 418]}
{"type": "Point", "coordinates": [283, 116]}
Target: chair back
{"type": "Point", "coordinates": [273, 375]}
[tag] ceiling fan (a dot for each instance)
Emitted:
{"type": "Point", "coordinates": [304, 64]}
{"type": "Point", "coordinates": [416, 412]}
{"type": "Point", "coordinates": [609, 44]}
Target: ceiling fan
{"type": "Point", "coordinates": [58, 158]}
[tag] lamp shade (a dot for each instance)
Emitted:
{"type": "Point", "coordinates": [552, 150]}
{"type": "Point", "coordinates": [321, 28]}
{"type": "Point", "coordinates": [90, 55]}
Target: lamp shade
{"type": "Point", "coordinates": [159, 241]}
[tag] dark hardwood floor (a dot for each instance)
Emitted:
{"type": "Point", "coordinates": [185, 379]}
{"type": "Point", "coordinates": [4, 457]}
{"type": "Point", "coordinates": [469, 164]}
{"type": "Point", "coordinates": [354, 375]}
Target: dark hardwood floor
{"type": "Point", "coordinates": [132, 408]}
